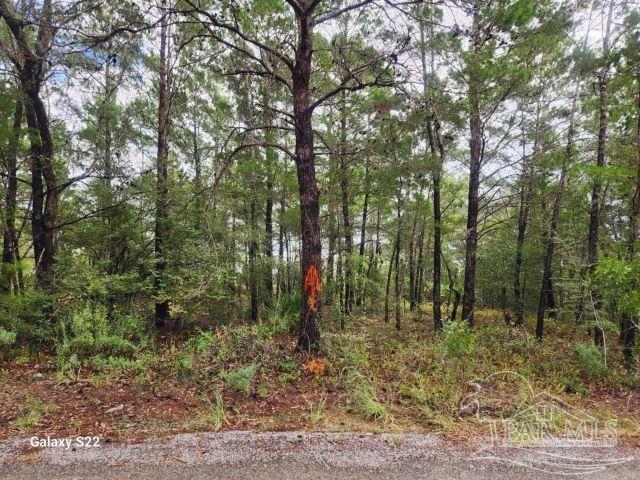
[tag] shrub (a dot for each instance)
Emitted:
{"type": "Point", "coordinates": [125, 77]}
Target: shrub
{"type": "Point", "coordinates": [457, 340]}
{"type": "Point", "coordinates": [7, 338]}
{"type": "Point", "coordinates": [591, 360]}
{"type": "Point", "coordinates": [203, 342]}
{"type": "Point", "coordinates": [27, 316]}
{"type": "Point", "coordinates": [90, 333]}
{"type": "Point", "coordinates": [241, 378]}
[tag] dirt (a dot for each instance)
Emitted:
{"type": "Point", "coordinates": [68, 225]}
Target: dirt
{"type": "Point", "coordinates": [120, 407]}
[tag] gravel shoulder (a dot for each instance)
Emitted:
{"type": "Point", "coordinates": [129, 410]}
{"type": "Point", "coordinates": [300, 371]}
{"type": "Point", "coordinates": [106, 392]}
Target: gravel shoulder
{"type": "Point", "coordinates": [301, 455]}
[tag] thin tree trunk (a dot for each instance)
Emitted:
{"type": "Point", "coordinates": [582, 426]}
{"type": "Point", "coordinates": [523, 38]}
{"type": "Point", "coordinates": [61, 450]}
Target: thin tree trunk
{"type": "Point", "coordinates": [159, 286]}
{"type": "Point", "coordinates": [412, 265]}
{"type": "Point", "coordinates": [526, 191]}
{"type": "Point", "coordinates": [437, 152]}
{"type": "Point", "coordinates": [330, 289]}
{"type": "Point", "coordinates": [475, 145]}
{"type": "Point", "coordinates": [596, 193]}
{"type": "Point", "coordinates": [271, 159]}
{"type": "Point", "coordinates": [281, 238]}
{"type": "Point", "coordinates": [10, 250]}
{"type": "Point", "coordinates": [253, 253]}
{"type": "Point", "coordinates": [629, 327]}
{"type": "Point", "coordinates": [363, 233]}
{"type": "Point", "coordinates": [553, 225]}
{"type": "Point", "coordinates": [398, 286]}
{"type": "Point", "coordinates": [420, 269]}
{"type": "Point", "coordinates": [346, 217]}
{"type": "Point", "coordinates": [373, 256]}
{"type": "Point", "coordinates": [394, 254]}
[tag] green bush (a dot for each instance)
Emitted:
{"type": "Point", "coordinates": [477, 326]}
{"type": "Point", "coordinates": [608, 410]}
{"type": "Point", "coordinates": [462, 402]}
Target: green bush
{"type": "Point", "coordinates": [90, 332]}
{"type": "Point", "coordinates": [591, 360]}
{"type": "Point", "coordinates": [457, 340]}
{"type": "Point", "coordinates": [7, 338]}
{"type": "Point", "coordinates": [241, 378]}
{"type": "Point", "coordinates": [28, 317]}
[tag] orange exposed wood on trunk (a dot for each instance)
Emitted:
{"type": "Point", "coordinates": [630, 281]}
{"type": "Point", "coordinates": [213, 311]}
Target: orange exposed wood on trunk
{"type": "Point", "coordinates": [312, 286]}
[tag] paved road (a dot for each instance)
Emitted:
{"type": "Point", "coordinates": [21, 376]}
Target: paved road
{"type": "Point", "coordinates": [298, 456]}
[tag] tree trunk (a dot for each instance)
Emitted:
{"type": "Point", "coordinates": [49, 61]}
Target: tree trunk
{"type": "Point", "coordinates": [346, 218]}
{"type": "Point", "coordinates": [374, 252]}
{"type": "Point", "coordinates": [159, 284]}
{"type": "Point", "coordinates": [363, 234]}
{"type": "Point", "coordinates": [475, 146]}
{"type": "Point", "coordinates": [253, 254]}
{"type": "Point", "coordinates": [437, 151]}
{"type": "Point", "coordinates": [412, 265]}
{"type": "Point", "coordinates": [553, 225]}
{"type": "Point", "coordinates": [44, 203]}
{"type": "Point", "coordinates": [281, 237]}
{"type": "Point", "coordinates": [596, 192]}
{"type": "Point", "coordinates": [271, 158]}
{"type": "Point", "coordinates": [310, 259]}
{"type": "Point", "coordinates": [10, 250]}
{"type": "Point", "coordinates": [268, 245]}
{"type": "Point", "coordinates": [31, 66]}
{"type": "Point", "coordinates": [629, 327]}
{"type": "Point", "coordinates": [526, 191]}
{"type": "Point", "coordinates": [394, 254]}
{"type": "Point", "coordinates": [398, 286]}
{"type": "Point", "coordinates": [420, 269]}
